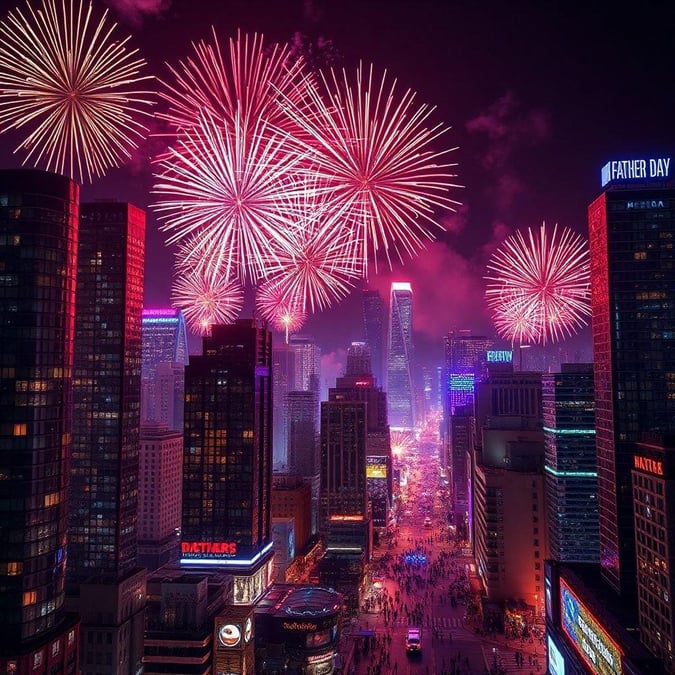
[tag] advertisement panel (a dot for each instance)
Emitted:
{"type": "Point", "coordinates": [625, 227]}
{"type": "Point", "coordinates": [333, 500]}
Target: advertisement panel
{"type": "Point", "coordinates": [596, 648]}
{"type": "Point", "coordinates": [556, 661]}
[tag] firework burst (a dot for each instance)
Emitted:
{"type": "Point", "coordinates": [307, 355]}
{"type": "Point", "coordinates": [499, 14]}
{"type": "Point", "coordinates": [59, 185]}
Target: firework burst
{"type": "Point", "coordinates": [206, 299]}
{"type": "Point", "coordinates": [226, 187]}
{"type": "Point", "coordinates": [539, 287]}
{"type": "Point", "coordinates": [371, 149]}
{"type": "Point", "coordinates": [280, 308]}
{"type": "Point", "coordinates": [72, 85]}
{"type": "Point", "coordinates": [401, 442]}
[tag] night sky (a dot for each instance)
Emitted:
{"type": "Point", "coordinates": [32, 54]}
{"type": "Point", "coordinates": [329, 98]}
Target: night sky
{"type": "Point", "coordinates": [539, 96]}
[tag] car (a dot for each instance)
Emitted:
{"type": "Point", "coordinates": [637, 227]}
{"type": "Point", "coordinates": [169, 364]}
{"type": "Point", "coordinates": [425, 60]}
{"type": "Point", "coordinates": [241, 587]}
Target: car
{"type": "Point", "coordinates": [427, 522]}
{"type": "Point", "coordinates": [413, 641]}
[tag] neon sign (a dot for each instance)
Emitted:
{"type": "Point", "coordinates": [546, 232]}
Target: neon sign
{"type": "Point", "coordinates": [500, 356]}
{"type": "Point", "coordinates": [635, 169]}
{"type": "Point", "coordinates": [590, 640]}
{"type": "Point", "coordinates": [648, 465]}
{"type": "Point", "coordinates": [208, 548]}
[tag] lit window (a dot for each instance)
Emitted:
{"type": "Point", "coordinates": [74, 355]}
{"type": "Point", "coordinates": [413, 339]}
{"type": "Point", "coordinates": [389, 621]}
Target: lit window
{"type": "Point", "coordinates": [29, 598]}
{"type": "Point", "coordinates": [20, 429]}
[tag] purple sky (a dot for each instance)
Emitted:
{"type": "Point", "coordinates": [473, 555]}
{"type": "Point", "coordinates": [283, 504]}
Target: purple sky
{"type": "Point", "coordinates": [539, 96]}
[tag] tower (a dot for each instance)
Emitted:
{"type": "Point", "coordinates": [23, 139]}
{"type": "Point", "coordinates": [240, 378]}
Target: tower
{"type": "Point", "coordinates": [631, 230]}
{"type": "Point", "coordinates": [38, 249]}
{"type": "Point", "coordinates": [227, 462]}
{"type": "Point", "coordinates": [105, 582]}
{"type": "Point", "coordinates": [400, 357]}
{"type": "Point", "coordinates": [374, 322]}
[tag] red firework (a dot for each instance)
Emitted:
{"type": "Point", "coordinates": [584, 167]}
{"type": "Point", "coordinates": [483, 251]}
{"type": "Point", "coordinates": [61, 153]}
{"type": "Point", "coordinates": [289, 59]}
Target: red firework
{"type": "Point", "coordinates": [371, 149]}
{"type": "Point", "coordinates": [72, 84]}
{"type": "Point", "coordinates": [539, 288]}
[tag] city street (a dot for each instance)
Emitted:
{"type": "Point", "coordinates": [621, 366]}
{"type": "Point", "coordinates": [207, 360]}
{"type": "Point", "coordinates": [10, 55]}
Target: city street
{"type": "Point", "coordinates": [420, 578]}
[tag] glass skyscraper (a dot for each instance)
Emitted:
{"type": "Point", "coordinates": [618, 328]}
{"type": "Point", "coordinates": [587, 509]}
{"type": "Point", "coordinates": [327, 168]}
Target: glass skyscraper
{"type": "Point", "coordinates": [375, 325]}
{"type": "Point", "coordinates": [38, 248]}
{"type": "Point", "coordinates": [632, 234]}
{"type": "Point", "coordinates": [227, 460]}
{"type": "Point", "coordinates": [400, 395]}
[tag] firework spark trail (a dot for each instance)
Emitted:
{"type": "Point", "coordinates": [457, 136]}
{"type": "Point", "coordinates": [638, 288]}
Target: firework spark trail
{"type": "Point", "coordinates": [226, 187]}
{"type": "Point", "coordinates": [279, 307]}
{"type": "Point", "coordinates": [539, 287]}
{"type": "Point", "coordinates": [67, 79]}
{"type": "Point", "coordinates": [370, 148]}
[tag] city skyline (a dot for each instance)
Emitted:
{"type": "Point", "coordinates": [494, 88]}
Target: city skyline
{"type": "Point", "coordinates": [516, 132]}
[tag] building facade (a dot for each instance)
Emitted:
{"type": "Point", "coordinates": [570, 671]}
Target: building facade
{"type": "Point", "coordinates": [571, 464]}
{"type": "Point", "coordinates": [400, 392]}
{"type": "Point", "coordinates": [375, 330]}
{"type": "Point", "coordinates": [38, 251]}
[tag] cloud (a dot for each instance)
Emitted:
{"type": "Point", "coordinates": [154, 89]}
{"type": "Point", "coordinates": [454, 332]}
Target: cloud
{"type": "Point", "coordinates": [509, 129]}
{"type": "Point", "coordinates": [134, 11]}
{"type": "Point", "coordinates": [456, 222]}
{"type": "Point", "coordinates": [332, 366]}
{"type": "Point", "coordinates": [447, 290]}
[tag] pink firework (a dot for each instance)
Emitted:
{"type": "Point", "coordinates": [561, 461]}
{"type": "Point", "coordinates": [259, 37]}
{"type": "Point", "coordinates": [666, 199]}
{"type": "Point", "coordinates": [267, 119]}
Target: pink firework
{"type": "Point", "coordinates": [320, 264]}
{"type": "Point", "coordinates": [72, 85]}
{"type": "Point", "coordinates": [539, 288]}
{"type": "Point", "coordinates": [206, 299]}
{"type": "Point", "coordinates": [226, 187]}
{"type": "Point", "coordinates": [246, 84]}
{"type": "Point", "coordinates": [281, 309]}
{"type": "Point", "coordinates": [371, 148]}
{"type": "Point", "coordinates": [401, 442]}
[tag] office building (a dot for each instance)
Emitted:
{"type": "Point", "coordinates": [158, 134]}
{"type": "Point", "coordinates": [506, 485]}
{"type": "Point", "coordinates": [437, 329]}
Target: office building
{"type": "Point", "coordinates": [375, 330]}
{"type": "Point", "coordinates": [653, 479]}
{"type": "Point", "coordinates": [38, 250]}
{"type": "Point", "coordinates": [631, 232]}
{"type": "Point", "coordinates": [359, 360]}
{"type": "Point", "coordinates": [105, 583]}
{"type": "Point", "coordinates": [571, 464]}
{"type": "Point", "coordinates": [292, 498]}
{"type": "Point", "coordinates": [303, 446]}
{"type": "Point", "coordinates": [227, 465]}
{"type": "Point", "coordinates": [283, 381]}
{"type": "Point", "coordinates": [165, 355]}
{"type": "Point", "coordinates": [400, 396]}
{"type": "Point", "coordinates": [160, 485]}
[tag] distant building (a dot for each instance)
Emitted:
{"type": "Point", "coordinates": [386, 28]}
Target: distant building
{"type": "Point", "coordinates": [160, 489]}
{"type": "Point", "coordinates": [571, 464]}
{"type": "Point", "coordinates": [303, 446]}
{"type": "Point", "coordinates": [165, 355]}
{"type": "Point", "coordinates": [38, 251]}
{"type": "Point", "coordinates": [106, 585]}
{"type": "Point", "coordinates": [227, 465]}
{"type": "Point", "coordinates": [375, 328]}
{"type": "Point", "coordinates": [292, 498]}
{"type": "Point", "coordinates": [400, 359]}
{"type": "Point", "coordinates": [359, 360]}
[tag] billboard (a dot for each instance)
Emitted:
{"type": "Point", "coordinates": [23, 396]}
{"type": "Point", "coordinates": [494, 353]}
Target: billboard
{"type": "Point", "coordinates": [600, 653]}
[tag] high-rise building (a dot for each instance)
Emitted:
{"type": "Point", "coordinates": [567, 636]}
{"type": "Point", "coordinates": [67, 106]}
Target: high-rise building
{"type": "Point", "coordinates": [343, 460]}
{"type": "Point", "coordinates": [160, 488]}
{"type": "Point", "coordinates": [38, 249]}
{"type": "Point", "coordinates": [399, 387]}
{"type": "Point", "coordinates": [283, 381]}
{"type": "Point", "coordinates": [105, 583]}
{"type": "Point", "coordinates": [303, 446]}
{"type": "Point", "coordinates": [631, 232]}
{"type": "Point", "coordinates": [571, 469]}
{"type": "Point", "coordinates": [227, 465]}
{"type": "Point", "coordinates": [165, 355]}
{"type": "Point", "coordinates": [359, 361]}
{"type": "Point", "coordinates": [375, 326]}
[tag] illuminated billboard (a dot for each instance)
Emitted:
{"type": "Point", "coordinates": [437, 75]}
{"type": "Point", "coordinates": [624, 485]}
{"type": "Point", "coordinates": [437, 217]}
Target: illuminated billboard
{"type": "Point", "coordinates": [376, 471]}
{"type": "Point", "coordinates": [600, 653]}
{"type": "Point", "coordinates": [626, 170]}
{"type": "Point", "coordinates": [556, 661]}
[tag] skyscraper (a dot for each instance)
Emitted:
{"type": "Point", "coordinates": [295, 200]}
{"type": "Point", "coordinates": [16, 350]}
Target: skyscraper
{"type": "Point", "coordinates": [400, 357]}
{"type": "Point", "coordinates": [375, 322]}
{"type": "Point", "coordinates": [631, 232]}
{"type": "Point", "coordinates": [105, 582]}
{"type": "Point", "coordinates": [227, 465]}
{"type": "Point", "coordinates": [38, 249]}
{"type": "Point", "coordinates": [165, 355]}
{"type": "Point", "coordinates": [359, 360]}
{"type": "Point", "coordinates": [571, 464]}
{"type": "Point", "coordinates": [303, 455]}
{"type": "Point", "coordinates": [283, 381]}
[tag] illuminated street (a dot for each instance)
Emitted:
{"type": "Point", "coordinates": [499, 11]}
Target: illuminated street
{"type": "Point", "coordinates": [421, 579]}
